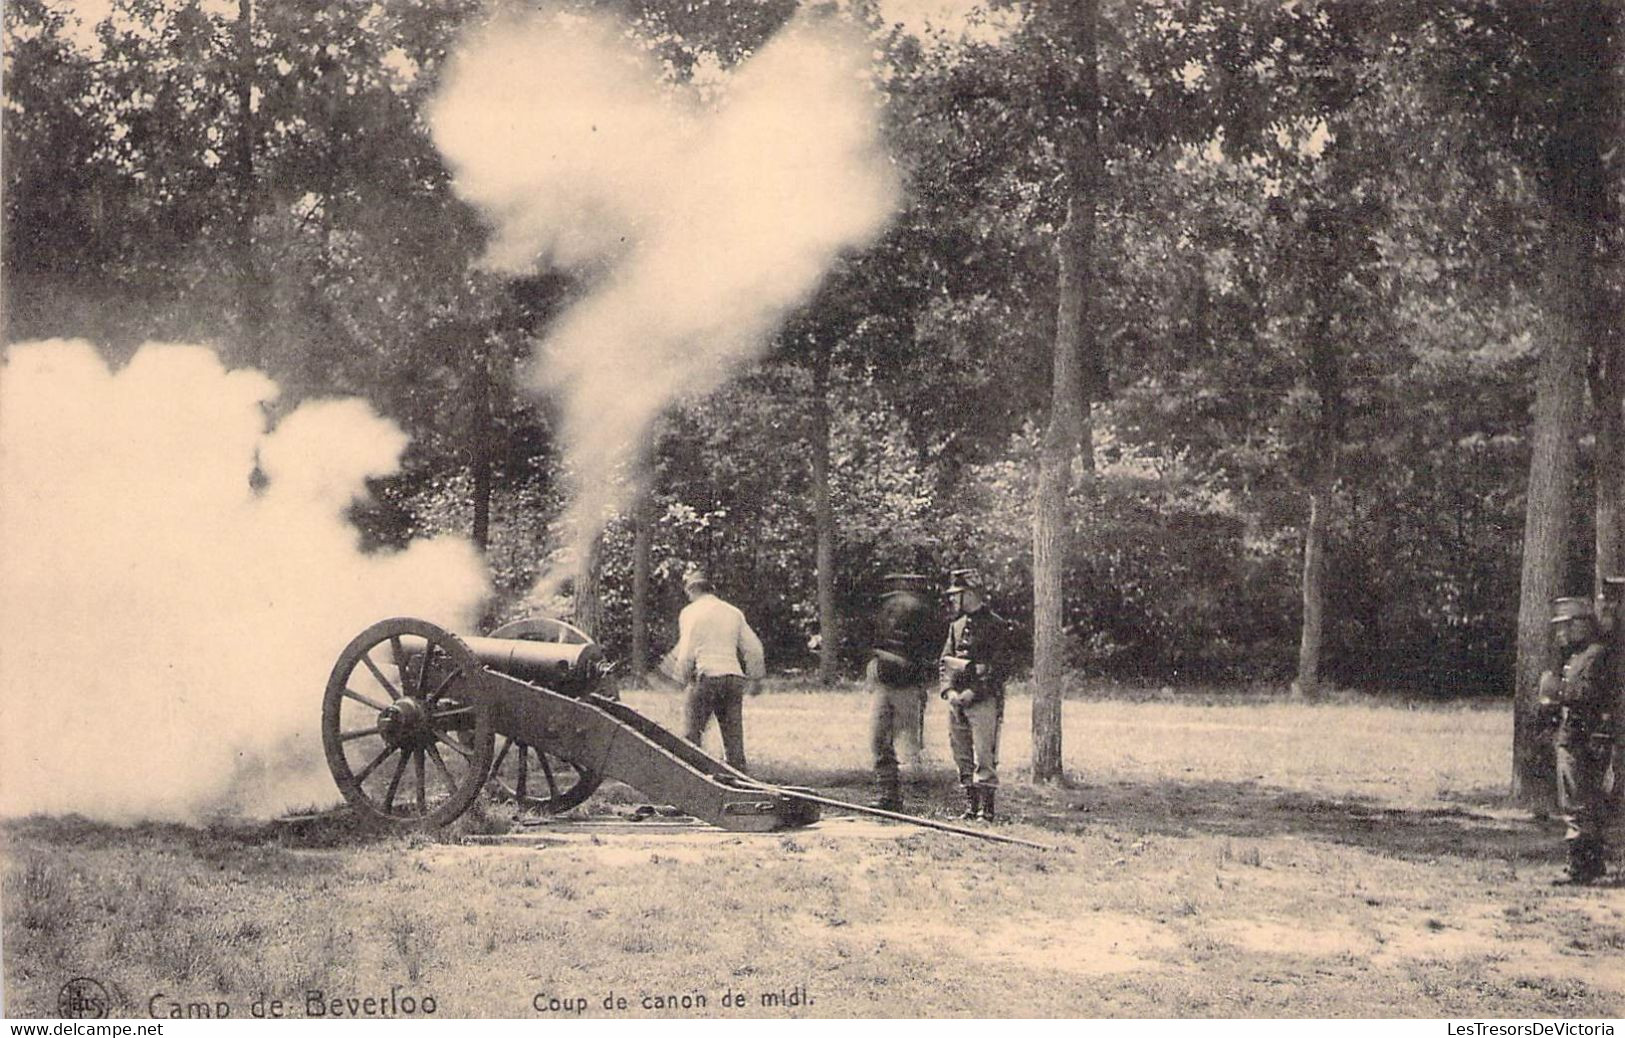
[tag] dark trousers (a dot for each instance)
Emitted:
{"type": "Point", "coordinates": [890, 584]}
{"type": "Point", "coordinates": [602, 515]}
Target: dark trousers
{"type": "Point", "coordinates": [724, 698]}
{"type": "Point", "coordinates": [1583, 752]}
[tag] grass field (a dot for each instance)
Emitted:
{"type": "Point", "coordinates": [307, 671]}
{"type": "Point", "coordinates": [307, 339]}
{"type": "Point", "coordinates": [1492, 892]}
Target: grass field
{"type": "Point", "coordinates": [1225, 858]}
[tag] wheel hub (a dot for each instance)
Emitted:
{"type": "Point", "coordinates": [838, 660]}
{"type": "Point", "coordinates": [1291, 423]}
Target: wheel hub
{"type": "Point", "coordinates": [405, 722]}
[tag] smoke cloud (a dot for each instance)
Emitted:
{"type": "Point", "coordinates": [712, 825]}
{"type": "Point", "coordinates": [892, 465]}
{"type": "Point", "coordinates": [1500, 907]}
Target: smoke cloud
{"type": "Point", "coordinates": [698, 226]}
{"type": "Point", "coordinates": [168, 629]}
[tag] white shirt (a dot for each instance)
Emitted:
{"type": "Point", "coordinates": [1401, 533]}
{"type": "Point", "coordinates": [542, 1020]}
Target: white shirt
{"type": "Point", "coordinates": [712, 638]}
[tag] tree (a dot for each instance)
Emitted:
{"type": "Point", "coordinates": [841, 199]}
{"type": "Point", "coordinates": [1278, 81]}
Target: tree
{"type": "Point", "coordinates": [1549, 86]}
{"type": "Point", "coordinates": [1327, 348]}
{"type": "Point", "coordinates": [587, 603]}
{"type": "Point", "coordinates": [251, 289]}
{"type": "Point", "coordinates": [56, 193]}
{"type": "Point", "coordinates": [829, 629]}
{"type": "Point", "coordinates": [642, 546]}
{"type": "Point", "coordinates": [1068, 432]}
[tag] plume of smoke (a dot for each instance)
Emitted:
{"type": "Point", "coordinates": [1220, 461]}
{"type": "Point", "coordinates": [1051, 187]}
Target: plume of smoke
{"type": "Point", "coordinates": [168, 630]}
{"type": "Point", "coordinates": [698, 227]}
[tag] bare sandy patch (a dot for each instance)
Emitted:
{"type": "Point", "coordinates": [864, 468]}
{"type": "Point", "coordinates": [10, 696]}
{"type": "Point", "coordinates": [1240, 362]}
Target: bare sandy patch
{"type": "Point", "coordinates": [1092, 944]}
{"type": "Point", "coordinates": [1417, 936]}
{"type": "Point", "coordinates": [1267, 936]}
{"type": "Point", "coordinates": [1533, 962]}
{"type": "Point", "coordinates": [1089, 944]}
{"type": "Point", "coordinates": [1602, 906]}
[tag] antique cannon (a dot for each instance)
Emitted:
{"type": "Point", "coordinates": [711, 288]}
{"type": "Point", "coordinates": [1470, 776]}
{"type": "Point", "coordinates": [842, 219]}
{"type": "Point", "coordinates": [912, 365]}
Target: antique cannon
{"type": "Point", "coordinates": [413, 714]}
{"type": "Point", "coordinates": [417, 721]}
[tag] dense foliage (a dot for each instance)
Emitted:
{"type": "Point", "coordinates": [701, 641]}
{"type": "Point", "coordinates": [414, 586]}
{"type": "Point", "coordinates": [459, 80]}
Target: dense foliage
{"type": "Point", "coordinates": [1316, 240]}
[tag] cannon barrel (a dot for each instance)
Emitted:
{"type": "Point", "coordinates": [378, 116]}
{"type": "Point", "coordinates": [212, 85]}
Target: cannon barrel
{"type": "Point", "coordinates": [568, 668]}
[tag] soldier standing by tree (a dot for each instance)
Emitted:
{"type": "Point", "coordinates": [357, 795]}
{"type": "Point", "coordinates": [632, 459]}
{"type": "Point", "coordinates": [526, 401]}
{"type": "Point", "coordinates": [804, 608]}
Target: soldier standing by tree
{"type": "Point", "coordinates": [1584, 694]}
{"type": "Point", "coordinates": [908, 631]}
{"type": "Point", "coordinates": [974, 667]}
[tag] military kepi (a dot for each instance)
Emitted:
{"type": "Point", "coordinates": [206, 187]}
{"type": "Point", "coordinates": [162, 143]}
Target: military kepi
{"type": "Point", "coordinates": [1571, 608]}
{"type": "Point", "coordinates": [966, 579]}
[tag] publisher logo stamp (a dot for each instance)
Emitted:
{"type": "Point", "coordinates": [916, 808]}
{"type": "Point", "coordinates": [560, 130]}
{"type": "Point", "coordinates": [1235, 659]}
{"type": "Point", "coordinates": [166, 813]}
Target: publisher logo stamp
{"type": "Point", "coordinates": [83, 999]}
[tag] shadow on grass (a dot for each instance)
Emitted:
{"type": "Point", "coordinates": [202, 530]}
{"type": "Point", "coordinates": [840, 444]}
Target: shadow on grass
{"type": "Point", "coordinates": [1474, 830]}
{"type": "Point", "coordinates": [238, 844]}
{"type": "Point", "coordinates": [1244, 809]}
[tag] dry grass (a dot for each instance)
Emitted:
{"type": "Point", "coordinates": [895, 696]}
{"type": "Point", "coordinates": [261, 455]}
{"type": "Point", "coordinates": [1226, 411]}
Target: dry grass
{"type": "Point", "coordinates": [1247, 858]}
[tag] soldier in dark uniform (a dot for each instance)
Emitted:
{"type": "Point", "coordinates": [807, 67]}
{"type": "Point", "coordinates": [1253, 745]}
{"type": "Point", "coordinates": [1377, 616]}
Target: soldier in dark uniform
{"type": "Point", "coordinates": [1584, 694]}
{"type": "Point", "coordinates": [974, 666]}
{"type": "Point", "coordinates": [908, 632]}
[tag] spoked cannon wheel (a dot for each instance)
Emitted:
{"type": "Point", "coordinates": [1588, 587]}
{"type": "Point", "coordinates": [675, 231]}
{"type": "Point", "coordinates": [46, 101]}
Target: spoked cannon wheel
{"type": "Point", "coordinates": [406, 739]}
{"type": "Point", "coordinates": [525, 774]}
{"type": "Point", "coordinates": [539, 781]}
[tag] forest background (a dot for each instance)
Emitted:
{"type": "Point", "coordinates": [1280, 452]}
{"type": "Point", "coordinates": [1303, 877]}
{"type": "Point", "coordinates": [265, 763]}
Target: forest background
{"type": "Point", "coordinates": [1338, 312]}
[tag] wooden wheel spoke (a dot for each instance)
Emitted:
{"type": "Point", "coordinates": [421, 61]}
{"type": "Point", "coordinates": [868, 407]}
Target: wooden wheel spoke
{"type": "Point", "coordinates": [398, 651]}
{"type": "Point", "coordinates": [361, 776]}
{"type": "Point", "coordinates": [423, 670]}
{"type": "Point", "coordinates": [456, 711]}
{"type": "Point", "coordinates": [552, 785]}
{"type": "Point", "coordinates": [358, 733]}
{"type": "Point", "coordinates": [394, 785]}
{"type": "Point", "coordinates": [423, 792]}
{"type": "Point", "coordinates": [445, 772]}
{"type": "Point", "coordinates": [467, 755]}
{"type": "Point", "coordinates": [378, 675]}
{"type": "Point", "coordinates": [350, 693]}
{"type": "Point", "coordinates": [507, 744]}
{"type": "Point", "coordinates": [446, 683]}
{"type": "Point", "coordinates": [567, 784]}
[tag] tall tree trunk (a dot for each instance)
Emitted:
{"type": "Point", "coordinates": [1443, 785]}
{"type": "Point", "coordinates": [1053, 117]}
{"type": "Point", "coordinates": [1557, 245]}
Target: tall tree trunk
{"type": "Point", "coordinates": [1314, 593]}
{"type": "Point", "coordinates": [1577, 51]}
{"type": "Point", "coordinates": [1063, 440]}
{"type": "Point", "coordinates": [252, 308]}
{"type": "Point", "coordinates": [1608, 396]}
{"type": "Point", "coordinates": [1559, 402]}
{"type": "Point", "coordinates": [1068, 432]}
{"type": "Point", "coordinates": [1326, 376]}
{"type": "Point", "coordinates": [1608, 384]}
{"type": "Point", "coordinates": [588, 602]}
{"type": "Point", "coordinates": [481, 432]}
{"type": "Point", "coordinates": [1608, 364]}
{"type": "Point", "coordinates": [642, 538]}
{"type": "Point", "coordinates": [829, 638]}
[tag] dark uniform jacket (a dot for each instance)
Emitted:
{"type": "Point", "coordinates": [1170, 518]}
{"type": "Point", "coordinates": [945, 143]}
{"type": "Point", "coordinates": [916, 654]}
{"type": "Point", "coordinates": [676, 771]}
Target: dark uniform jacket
{"type": "Point", "coordinates": [983, 640]}
{"type": "Point", "coordinates": [907, 630]}
{"type": "Point", "coordinates": [1587, 680]}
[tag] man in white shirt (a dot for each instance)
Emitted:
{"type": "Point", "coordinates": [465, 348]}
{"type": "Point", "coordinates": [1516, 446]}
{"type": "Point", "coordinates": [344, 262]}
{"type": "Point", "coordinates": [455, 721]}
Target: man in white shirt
{"type": "Point", "coordinates": [713, 640]}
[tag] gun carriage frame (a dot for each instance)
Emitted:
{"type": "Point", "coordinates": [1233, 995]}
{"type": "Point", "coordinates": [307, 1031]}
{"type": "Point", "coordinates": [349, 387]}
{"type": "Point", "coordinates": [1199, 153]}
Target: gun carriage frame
{"type": "Point", "coordinates": [418, 722]}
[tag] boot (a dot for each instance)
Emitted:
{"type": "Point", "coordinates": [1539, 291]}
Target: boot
{"type": "Point", "coordinates": [1585, 865]}
{"type": "Point", "coordinates": [987, 805]}
{"type": "Point", "coordinates": [973, 803]}
{"type": "Point", "coordinates": [888, 795]}
{"type": "Point", "coordinates": [1585, 862]}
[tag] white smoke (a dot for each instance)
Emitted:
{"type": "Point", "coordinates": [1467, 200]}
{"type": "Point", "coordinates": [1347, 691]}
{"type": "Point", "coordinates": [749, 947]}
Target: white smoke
{"type": "Point", "coordinates": [698, 227]}
{"type": "Point", "coordinates": [168, 630]}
